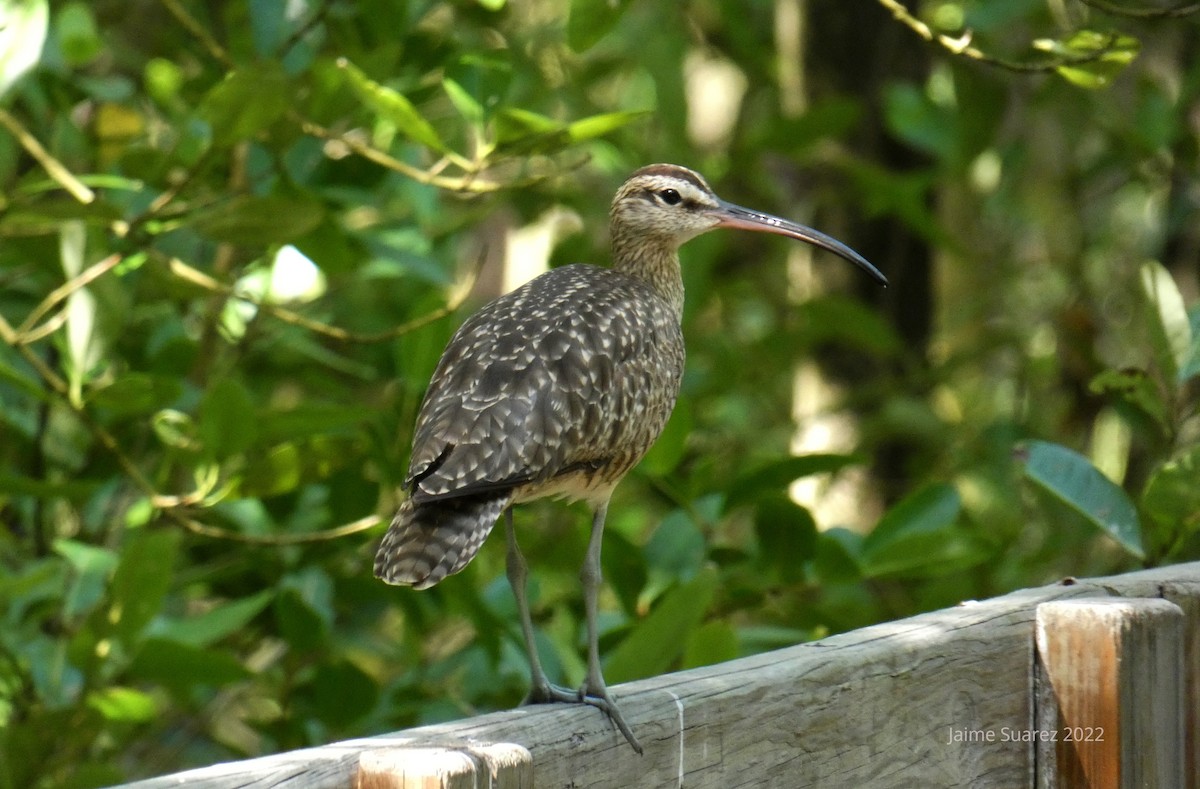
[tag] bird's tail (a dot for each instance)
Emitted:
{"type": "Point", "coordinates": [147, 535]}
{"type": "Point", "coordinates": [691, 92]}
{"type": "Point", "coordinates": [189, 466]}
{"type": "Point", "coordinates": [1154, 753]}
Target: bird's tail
{"type": "Point", "coordinates": [428, 541]}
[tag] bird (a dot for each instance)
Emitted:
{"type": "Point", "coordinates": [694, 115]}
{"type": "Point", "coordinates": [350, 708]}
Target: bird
{"type": "Point", "coordinates": [557, 389]}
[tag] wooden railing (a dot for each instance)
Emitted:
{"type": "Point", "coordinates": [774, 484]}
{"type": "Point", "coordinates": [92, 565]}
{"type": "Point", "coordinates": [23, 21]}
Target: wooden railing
{"type": "Point", "coordinates": [1083, 683]}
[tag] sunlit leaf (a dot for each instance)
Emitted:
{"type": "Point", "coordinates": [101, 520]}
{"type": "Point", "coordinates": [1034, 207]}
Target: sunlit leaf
{"type": "Point", "coordinates": [392, 105]}
{"type": "Point", "coordinates": [600, 125]}
{"type": "Point", "coordinates": [124, 705]}
{"type": "Point", "coordinates": [23, 25]}
{"type": "Point", "coordinates": [1171, 333]}
{"type": "Point", "coordinates": [1097, 58]}
{"type": "Point", "coordinates": [464, 102]}
{"type": "Point", "coordinates": [1072, 479]}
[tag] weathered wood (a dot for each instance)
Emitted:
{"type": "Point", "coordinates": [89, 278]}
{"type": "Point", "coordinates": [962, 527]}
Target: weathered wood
{"type": "Point", "coordinates": [941, 699]}
{"type": "Point", "coordinates": [1114, 712]}
{"type": "Point", "coordinates": [495, 765]}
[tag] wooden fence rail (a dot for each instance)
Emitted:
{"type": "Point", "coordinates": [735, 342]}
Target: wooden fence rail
{"type": "Point", "coordinates": [1084, 683]}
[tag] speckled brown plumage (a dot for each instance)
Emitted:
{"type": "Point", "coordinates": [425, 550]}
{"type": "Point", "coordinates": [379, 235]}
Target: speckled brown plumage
{"type": "Point", "coordinates": [558, 389]}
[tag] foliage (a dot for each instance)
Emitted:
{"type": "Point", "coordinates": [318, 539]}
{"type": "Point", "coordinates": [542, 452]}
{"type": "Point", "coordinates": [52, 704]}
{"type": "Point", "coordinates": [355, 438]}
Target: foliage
{"type": "Point", "coordinates": [234, 238]}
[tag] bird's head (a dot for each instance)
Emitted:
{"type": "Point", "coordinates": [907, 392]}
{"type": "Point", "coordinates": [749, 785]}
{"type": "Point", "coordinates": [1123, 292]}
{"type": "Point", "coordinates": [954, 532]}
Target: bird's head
{"type": "Point", "coordinates": [672, 204]}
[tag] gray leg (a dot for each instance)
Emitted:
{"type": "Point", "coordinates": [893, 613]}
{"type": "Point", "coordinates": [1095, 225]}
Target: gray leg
{"type": "Point", "coordinates": [540, 689]}
{"type": "Point", "coordinates": [594, 691]}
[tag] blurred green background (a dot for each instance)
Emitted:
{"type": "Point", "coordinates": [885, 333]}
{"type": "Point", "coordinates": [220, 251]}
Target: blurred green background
{"type": "Point", "coordinates": [235, 236]}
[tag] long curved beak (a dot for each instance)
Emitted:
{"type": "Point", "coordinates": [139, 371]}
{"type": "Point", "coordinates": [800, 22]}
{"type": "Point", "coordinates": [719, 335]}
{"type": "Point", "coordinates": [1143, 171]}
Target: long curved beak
{"type": "Point", "coordinates": [730, 215]}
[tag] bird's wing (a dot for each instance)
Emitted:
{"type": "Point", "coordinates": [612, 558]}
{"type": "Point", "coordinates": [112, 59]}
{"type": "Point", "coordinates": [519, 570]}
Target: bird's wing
{"type": "Point", "coordinates": [575, 366]}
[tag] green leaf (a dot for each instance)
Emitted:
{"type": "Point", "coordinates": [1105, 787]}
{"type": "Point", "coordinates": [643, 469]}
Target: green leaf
{"type": "Point", "coordinates": [912, 116]}
{"type": "Point", "coordinates": [123, 705]}
{"type": "Point", "coordinates": [71, 489]}
{"type": "Point", "coordinates": [92, 567]}
{"type": "Point", "coordinates": [777, 475]}
{"type": "Point", "coordinates": [600, 125]}
{"type": "Point", "coordinates": [838, 556]}
{"type": "Point", "coordinates": [181, 667]}
{"type": "Point", "coordinates": [212, 625]}
{"type": "Point", "coordinates": [23, 25]}
{"type": "Point", "coordinates": [174, 429]}
{"type": "Point", "coordinates": [1072, 479]}
{"type": "Point", "coordinates": [1171, 334]}
{"type": "Point", "coordinates": [287, 466]}
{"type": "Point", "coordinates": [228, 422]}
{"type": "Point", "coordinates": [247, 101]}
{"type": "Point", "coordinates": [660, 638]}
{"type": "Point", "coordinates": [342, 693]}
{"type": "Point", "coordinates": [919, 536]}
{"type": "Point", "coordinates": [1135, 389]}
{"type": "Point", "coordinates": [470, 109]}
{"type": "Point", "coordinates": [669, 449]}
{"type": "Point", "coordinates": [522, 131]}
{"type": "Point", "coordinates": [304, 608]}
{"type": "Point", "coordinates": [1110, 54]}
{"type": "Point", "coordinates": [677, 546]}
{"type": "Point", "coordinates": [141, 581]}
{"type": "Point", "coordinates": [1172, 495]}
{"type": "Point", "coordinates": [845, 321]}
{"type": "Point", "coordinates": [75, 28]}
{"type": "Point", "coordinates": [392, 106]}
{"type": "Point", "coordinates": [251, 220]}
{"type": "Point", "coordinates": [135, 394]}
{"type": "Point", "coordinates": [787, 535]}
{"type": "Point", "coordinates": [712, 642]}
{"type": "Point", "coordinates": [591, 20]}
{"type": "Point", "coordinates": [624, 569]}
{"type": "Point", "coordinates": [1191, 366]}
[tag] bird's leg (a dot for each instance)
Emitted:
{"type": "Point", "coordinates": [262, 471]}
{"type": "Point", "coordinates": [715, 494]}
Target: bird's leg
{"type": "Point", "coordinates": [540, 689]}
{"type": "Point", "coordinates": [594, 690]}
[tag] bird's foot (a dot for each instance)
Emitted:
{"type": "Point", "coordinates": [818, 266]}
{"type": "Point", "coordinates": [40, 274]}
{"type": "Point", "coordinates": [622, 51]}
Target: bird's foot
{"type": "Point", "coordinates": [547, 693]}
{"type": "Point", "coordinates": [597, 696]}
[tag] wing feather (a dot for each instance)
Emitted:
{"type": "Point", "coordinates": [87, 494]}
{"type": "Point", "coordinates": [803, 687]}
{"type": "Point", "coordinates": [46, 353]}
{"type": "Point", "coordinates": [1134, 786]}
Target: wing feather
{"type": "Point", "coordinates": [576, 365]}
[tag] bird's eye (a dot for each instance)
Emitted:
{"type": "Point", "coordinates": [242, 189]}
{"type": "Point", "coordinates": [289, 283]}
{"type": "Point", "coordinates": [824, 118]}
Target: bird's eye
{"type": "Point", "coordinates": [670, 196]}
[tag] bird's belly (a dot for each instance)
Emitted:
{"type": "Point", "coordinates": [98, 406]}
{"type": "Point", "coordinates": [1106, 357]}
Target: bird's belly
{"type": "Point", "coordinates": [594, 487]}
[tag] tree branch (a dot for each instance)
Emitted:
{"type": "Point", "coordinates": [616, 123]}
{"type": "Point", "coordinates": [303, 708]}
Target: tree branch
{"type": "Point", "coordinates": [53, 167]}
{"type": "Point", "coordinates": [962, 47]}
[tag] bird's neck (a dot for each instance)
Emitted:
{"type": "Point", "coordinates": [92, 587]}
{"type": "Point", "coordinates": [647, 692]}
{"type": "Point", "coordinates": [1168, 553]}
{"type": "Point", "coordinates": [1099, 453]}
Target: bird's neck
{"type": "Point", "coordinates": [653, 262]}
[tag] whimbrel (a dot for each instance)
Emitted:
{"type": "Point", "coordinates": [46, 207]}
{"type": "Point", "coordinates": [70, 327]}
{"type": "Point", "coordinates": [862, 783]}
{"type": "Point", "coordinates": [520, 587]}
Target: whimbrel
{"type": "Point", "coordinates": [558, 389]}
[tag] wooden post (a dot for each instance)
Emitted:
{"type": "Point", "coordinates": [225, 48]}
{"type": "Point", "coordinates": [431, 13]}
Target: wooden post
{"type": "Point", "coordinates": [496, 765]}
{"type": "Point", "coordinates": [1110, 689]}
